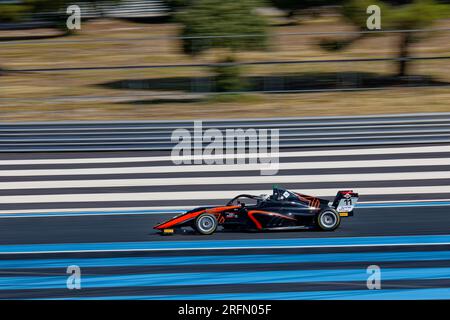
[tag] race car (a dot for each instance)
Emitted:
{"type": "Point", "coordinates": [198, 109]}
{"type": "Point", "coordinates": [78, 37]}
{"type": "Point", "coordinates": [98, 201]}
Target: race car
{"type": "Point", "coordinates": [282, 210]}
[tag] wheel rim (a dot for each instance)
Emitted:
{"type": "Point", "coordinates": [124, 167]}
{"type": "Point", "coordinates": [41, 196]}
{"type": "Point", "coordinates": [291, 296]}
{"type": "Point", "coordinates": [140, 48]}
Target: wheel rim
{"type": "Point", "coordinates": [206, 224]}
{"type": "Point", "coordinates": [328, 219]}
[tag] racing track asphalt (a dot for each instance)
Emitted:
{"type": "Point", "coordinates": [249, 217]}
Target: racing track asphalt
{"type": "Point", "coordinates": [131, 277]}
{"type": "Point", "coordinates": [129, 228]}
{"type": "Point", "coordinates": [156, 275]}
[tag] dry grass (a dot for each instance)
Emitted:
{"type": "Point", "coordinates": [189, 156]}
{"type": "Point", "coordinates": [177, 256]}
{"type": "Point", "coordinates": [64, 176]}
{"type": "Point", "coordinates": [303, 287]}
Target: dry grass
{"type": "Point", "coordinates": [307, 104]}
{"type": "Point", "coordinates": [78, 95]}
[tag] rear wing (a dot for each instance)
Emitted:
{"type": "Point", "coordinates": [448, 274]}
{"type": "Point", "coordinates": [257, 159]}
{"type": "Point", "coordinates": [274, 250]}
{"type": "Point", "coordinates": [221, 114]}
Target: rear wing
{"type": "Point", "coordinates": [345, 201]}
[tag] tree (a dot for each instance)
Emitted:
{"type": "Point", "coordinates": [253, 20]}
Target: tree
{"type": "Point", "coordinates": [12, 13]}
{"type": "Point", "coordinates": [218, 24]}
{"type": "Point", "coordinates": [56, 9]}
{"type": "Point", "coordinates": [293, 7]}
{"type": "Point", "coordinates": [26, 10]}
{"type": "Point", "coordinates": [53, 11]}
{"type": "Point", "coordinates": [177, 4]}
{"type": "Point", "coordinates": [417, 14]}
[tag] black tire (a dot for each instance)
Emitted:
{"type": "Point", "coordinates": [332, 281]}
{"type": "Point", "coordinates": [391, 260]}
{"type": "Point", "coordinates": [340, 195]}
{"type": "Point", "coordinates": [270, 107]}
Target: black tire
{"type": "Point", "coordinates": [328, 219]}
{"type": "Point", "coordinates": [206, 223]}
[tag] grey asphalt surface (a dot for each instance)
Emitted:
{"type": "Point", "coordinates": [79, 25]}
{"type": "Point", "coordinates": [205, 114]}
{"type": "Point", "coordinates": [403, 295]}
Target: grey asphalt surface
{"type": "Point", "coordinates": [127, 228]}
{"type": "Point", "coordinates": [366, 222]}
{"type": "Point", "coordinates": [399, 221]}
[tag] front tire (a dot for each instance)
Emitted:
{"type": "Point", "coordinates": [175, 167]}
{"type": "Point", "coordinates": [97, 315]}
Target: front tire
{"type": "Point", "coordinates": [206, 224]}
{"type": "Point", "coordinates": [328, 220]}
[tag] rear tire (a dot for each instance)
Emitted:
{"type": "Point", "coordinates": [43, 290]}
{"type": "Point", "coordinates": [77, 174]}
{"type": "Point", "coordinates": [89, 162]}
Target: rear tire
{"type": "Point", "coordinates": [328, 220]}
{"type": "Point", "coordinates": [206, 224]}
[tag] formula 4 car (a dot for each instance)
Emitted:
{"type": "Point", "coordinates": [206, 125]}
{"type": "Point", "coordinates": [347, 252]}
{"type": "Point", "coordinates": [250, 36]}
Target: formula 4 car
{"type": "Point", "coordinates": [282, 210]}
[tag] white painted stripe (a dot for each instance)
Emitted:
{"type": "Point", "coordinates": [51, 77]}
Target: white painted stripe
{"type": "Point", "coordinates": [328, 178]}
{"type": "Point", "coordinates": [105, 209]}
{"type": "Point", "coordinates": [168, 208]}
{"type": "Point", "coordinates": [403, 201]}
{"type": "Point", "coordinates": [228, 168]}
{"type": "Point", "coordinates": [197, 195]}
{"type": "Point", "coordinates": [432, 149]}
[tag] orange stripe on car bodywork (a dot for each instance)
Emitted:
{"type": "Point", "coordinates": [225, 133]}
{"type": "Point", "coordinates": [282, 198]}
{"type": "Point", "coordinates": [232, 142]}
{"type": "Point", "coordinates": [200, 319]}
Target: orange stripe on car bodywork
{"type": "Point", "coordinates": [174, 221]}
{"type": "Point", "coordinates": [312, 201]}
{"type": "Point", "coordinates": [258, 224]}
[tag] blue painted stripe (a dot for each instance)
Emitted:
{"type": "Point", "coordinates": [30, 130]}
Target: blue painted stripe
{"type": "Point", "coordinates": [178, 211]}
{"type": "Point", "coordinates": [220, 278]}
{"type": "Point", "coordinates": [228, 259]}
{"type": "Point", "coordinates": [383, 294]}
{"type": "Point", "coordinates": [228, 244]}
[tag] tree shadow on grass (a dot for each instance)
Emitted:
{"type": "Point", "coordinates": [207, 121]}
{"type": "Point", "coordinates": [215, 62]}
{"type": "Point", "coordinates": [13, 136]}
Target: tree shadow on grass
{"type": "Point", "coordinates": [149, 19]}
{"type": "Point", "coordinates": [282, 83]}
{"type": "Point", "coordinates": [159, 101]}
{"type": "Point", "coordinates": [288, 82]}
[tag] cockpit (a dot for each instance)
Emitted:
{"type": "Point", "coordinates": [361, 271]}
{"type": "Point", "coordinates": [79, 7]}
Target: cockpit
{"type": "Point", "coordinates": [278, 194]}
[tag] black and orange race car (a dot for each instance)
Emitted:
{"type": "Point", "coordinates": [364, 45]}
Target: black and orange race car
{"type": "Point", "coordinates": [282, 210]}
